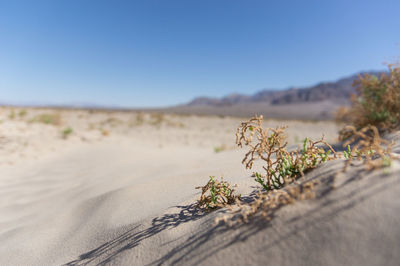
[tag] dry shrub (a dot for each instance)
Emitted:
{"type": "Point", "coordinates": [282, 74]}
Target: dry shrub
{"type": "Point", "coordinates": [343, 115]}
{"type": "Point", "coordinates": [105, 132]}
{"type": "Point", "coordinates": [367, 146]}
{"type": "Point", "coordinates": [177, 124]}
{"type": "Point", "coordinates": [375, 109]}
{"type": "Point", "coordinates": [11, 116]}
{"type": "Point", "coordinates": [111, 121]}
{"type": "Point", "coordinates": [154, 119]}
{"type": "Point", "coordinates": [216, 194]}
{"type": "Point", "coordinates": [139, 119]}
{"type": "Point", "coordinates": [50, 119]}
{"type": "Point", "coordinates": [136, 120]}
{"type": "Point", "coordinates": [282, 167]}
{"type": "Point", "coordinates": [157, 119]}
{"type": "Point", "coordinates": [22, 113]}
{"type": "Point", "coordinates": [376, 102]}
{"type": "Point", "coordinates": [265, 203]}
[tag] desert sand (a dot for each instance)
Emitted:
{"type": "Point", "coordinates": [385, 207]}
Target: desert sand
{"type": "Point", "coordinates": [81, 187]}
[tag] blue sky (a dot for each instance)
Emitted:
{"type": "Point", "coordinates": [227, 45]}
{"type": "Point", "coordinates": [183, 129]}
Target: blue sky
{"type": "Point", "coordinates": [159, 53]}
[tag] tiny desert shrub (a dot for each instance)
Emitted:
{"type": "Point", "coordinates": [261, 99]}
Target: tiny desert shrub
{"type": "Point", "coordinates": [367, 146]}
{"type": "Point", "coordinates": [50, 119]}
{"type": "Point", "coordinates": [136, 120]}
{"type": "Point", "coordinates": [139, 119]}
{"type": "Point", "coordinates": [157, 119]}
{"type": "Point", "coordinates": [66, 132]}
{"type": "Point", "coordinates": [220, 148]}
{"type": "Point", "coordinates": [177, 124]}
{"type": "Point", "coordinates": [105, 132]}
{"type": "Point", "coordinates": [22, 113]}
{"type": "Point", "coordinates": [216, 194]}
{"type": "Point", "coordinates": [269, 145]}
{"type": "Point", "coordinates": [376, 102]}
{"type": "Point", "coordinates": [111, 121]}
{"type": "Point", "coordinates": [11, 115]}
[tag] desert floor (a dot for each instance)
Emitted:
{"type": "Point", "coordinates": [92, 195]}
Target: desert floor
{"type": "Point", "coordinates": [82, 187]}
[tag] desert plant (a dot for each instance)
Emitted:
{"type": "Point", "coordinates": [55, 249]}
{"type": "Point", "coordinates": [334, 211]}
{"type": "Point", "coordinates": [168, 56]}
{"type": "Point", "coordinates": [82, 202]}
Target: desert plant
{"type": "Point", "coordinates": [22, 113]}
{"type": "Point", "coordinates": [111, 121]}
{"type": "Point", "coordinates": [347, 153]}
{"type": "Point", "coordinates": [265, 203]}
{"type": "Point", "coordinates": [137, 120]}
{"type": "Point", "coordinates": [157, 119]}
{"type": "Point", "coordinates": [283, 167]}
{"type": "Point", "coordinates": [177, 124]}
{"type": "Point", "coordinates": [216, 194]}
{"type": "Point", "coordinates": [66, 132]}
{"type": "Point", "coordinates": [375, 109]}
{"type": "Point", "coordinates": [105, 132]}
{"type": "Point", "coordinates": [343, 115]}
{"type": "Point", "coordinates": [367, 146]}
{"type": "Point", "coordinates": [11, 115]}
{"type": "Point", "coordinates": [50, 119]}
{"type": "Point", "coordinates": [220, 148]}
{"type": "Point", "coordinates": [269, 145]}
{"type": "Point", "coordinates": [376, 102]}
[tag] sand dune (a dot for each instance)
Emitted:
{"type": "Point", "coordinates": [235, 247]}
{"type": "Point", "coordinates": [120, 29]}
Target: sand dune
{"type": "Point", "coordinates": [120, 190]}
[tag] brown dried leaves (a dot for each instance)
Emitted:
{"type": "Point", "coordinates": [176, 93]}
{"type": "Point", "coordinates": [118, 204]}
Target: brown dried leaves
{"type": "Point", "coordinates": [367, 146]}
{"type": "Point", "coordinates": [216, 194]}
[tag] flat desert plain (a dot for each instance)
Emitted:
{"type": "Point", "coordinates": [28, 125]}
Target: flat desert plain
{"type": "Point", "coordinates": [80, 187]}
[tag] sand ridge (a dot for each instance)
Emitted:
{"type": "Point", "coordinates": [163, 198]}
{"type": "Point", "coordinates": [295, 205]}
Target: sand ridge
{"type": "Point", "coordinates": [120, 190]}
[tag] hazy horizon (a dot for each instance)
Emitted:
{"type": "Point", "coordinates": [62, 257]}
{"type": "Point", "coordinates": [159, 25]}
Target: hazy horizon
{"type": "Point", "coordinates": [157, 53]}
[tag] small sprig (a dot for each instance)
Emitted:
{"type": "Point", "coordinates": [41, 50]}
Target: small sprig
{"type": "Point", "coordinates": [216, 194]}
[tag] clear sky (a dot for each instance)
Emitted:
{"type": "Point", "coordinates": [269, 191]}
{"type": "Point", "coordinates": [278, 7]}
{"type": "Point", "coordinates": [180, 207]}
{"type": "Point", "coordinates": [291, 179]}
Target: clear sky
{"type": "Point", "coordinates": [158, 53]}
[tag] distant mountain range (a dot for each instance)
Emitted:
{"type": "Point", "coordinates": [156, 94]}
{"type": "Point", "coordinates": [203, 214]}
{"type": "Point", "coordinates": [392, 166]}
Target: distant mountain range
{"type": "Point", "coordinates": [318, 102]}
{"type": "Point", "coordinates": [338, 91]}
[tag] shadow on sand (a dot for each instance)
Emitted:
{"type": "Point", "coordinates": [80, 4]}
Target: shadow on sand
{"type": "Point", "coordinates": [193, 249]}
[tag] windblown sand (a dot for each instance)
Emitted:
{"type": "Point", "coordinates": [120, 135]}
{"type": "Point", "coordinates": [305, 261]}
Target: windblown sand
{"type": "Point", "coordinates": [120, 190]}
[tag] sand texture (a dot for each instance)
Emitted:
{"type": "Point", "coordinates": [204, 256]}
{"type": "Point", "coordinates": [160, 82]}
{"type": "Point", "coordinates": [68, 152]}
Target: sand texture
{"type": "Point", "coordinates": [119, 190]}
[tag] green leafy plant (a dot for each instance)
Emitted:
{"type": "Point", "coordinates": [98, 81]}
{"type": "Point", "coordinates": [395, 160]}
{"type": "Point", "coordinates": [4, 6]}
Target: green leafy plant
{"type": "Point", "coordinates": [66, 132]}
{"type": "Point", "coordinates": [347, 153]}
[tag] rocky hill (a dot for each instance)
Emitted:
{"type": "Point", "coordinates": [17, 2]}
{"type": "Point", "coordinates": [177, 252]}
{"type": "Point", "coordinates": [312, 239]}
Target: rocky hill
{"type": "Point", "coordinates": [318, 102]}
{"type": "Point", "coordinates": [338, 91]}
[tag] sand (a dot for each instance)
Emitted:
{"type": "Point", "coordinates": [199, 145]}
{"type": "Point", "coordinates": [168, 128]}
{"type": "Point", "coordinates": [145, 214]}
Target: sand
{"type": "Point", "coordinates": [119, 190]}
